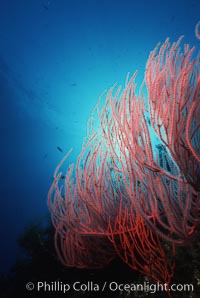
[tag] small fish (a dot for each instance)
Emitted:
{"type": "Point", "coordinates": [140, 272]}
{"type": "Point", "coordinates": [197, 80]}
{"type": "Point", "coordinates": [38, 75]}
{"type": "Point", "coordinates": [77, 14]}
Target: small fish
{"type": "Point", "coordinates": [46, 6]}
{"type": "Point", "coordinates": [73, 84]}
{"type": "Point", "coordinates": [149, 121]}
{"type": "Point", "coordinates": [60, 149]}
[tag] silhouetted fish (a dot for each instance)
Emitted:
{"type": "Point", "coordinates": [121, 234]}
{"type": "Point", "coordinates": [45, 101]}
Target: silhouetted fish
{"type": "Point", "coordinates": [60, 149]}
{"type": "Point", "coordinates": [46, 6]}
{"type": "Point", "coordinates": [73, 84]}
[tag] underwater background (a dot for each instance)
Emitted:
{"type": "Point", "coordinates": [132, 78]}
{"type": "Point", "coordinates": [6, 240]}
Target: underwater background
{"type": "Point", "coordinates": [56, 58]}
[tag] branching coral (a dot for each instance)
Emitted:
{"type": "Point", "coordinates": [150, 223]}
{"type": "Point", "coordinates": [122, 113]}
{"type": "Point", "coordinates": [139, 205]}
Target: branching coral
{"type": "Point", "coordinates": [129, 197]}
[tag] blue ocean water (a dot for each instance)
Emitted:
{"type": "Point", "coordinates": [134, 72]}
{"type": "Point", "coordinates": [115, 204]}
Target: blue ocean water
{"type": "Point", "coordinates": [56, 57]}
